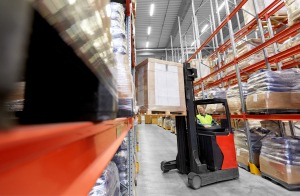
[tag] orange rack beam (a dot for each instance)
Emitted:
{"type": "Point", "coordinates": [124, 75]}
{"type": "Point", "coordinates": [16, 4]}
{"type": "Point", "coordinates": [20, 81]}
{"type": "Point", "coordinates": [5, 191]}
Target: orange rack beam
{"type": "Point", "coordinates": [58, 159]}
{"type": "Point", "coordinates": [283, 34]}
{"type": "Point", "coordinates": [261, 64]}
{"type": "Point", "coordinates": [250, 26]}
{"type": "Point", "coordinates": [262, 117]}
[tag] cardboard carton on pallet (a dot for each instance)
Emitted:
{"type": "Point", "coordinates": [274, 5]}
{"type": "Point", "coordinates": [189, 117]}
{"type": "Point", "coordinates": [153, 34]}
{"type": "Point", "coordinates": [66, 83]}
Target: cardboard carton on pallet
{"type": "Point", "coordinates": [160, 86]}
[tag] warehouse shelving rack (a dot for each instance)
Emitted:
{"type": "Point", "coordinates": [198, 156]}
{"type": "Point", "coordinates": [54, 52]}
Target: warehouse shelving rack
{"type": "Point", "coordinates": [64, 158]}
{"type": "Point", "coordinates": [282, 34]}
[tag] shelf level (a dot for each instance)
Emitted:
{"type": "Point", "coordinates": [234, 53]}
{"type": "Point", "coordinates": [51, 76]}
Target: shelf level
{"type": "Point", "coordinates": [58, 159]}
{"type": "Point", "coordinates": [262, 117]}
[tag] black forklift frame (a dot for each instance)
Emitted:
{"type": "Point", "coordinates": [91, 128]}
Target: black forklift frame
{"type": "Point", "coordinates": [198, 174]}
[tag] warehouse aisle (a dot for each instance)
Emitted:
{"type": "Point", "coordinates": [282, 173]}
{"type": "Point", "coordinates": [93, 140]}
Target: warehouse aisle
{"type": "Point", "coordinates": [157, 144]}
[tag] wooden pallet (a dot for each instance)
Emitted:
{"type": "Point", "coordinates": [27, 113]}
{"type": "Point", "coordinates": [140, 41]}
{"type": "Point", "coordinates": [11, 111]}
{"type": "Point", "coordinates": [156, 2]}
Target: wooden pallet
{"type": "Point", "coordinates": [290, 187]}
{"type": "Point", "coordinates": [274, 111]}
{"type": "Point", "coordinates": [151, 112]}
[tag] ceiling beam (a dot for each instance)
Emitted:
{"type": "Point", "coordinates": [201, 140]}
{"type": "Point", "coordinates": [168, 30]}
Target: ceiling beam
{"type": "Point", "coordinates": [184, 7]}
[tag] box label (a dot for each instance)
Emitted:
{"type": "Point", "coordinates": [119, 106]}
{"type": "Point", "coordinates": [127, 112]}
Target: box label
{"type": "Point", "coordinates": [255, 97]}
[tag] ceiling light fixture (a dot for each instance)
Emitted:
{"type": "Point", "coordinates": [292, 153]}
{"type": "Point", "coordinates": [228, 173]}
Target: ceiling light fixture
{"type": "Point", "coordinates": [147, 44]}
{"type": "Point", "coordinates": [151, 9]}
{"type": "Point", "coordinates": [72, 2]}
{"type": "Point", "coordinates": [221, 6]}
{"type": "Point", "coordinates": [149, 30]}
{"type": "Point", "coordinates": [204, 28]}
{"type": "Point", "coordinates": [193, 43]}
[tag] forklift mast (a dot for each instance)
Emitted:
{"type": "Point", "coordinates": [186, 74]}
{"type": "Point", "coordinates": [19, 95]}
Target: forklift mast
{"type": "Point", "coordinates": [189, 76]}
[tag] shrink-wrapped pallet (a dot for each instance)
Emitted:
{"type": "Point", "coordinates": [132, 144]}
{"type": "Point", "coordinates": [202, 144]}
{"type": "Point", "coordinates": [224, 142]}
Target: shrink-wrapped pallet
{"type": "Point", "coordinates": [160, 86]}
{"type": "Point", "coordinates": [274, 91]}
{"type": "Point", "coordinates": [122, 69]}
{"type": "Point", "coordinates": [108, 183]}
{"type": "Point", "coordinates": [81, 27]}
{"type": "Point", "coordinates": [280, 159]}
{"type": "Point", "coordinates": [15, 101]}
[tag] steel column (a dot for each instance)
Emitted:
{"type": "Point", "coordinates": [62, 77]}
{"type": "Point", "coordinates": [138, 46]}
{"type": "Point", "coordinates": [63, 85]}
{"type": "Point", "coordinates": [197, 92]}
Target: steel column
{"type": "Point", "coordinates": [166, 54]}
{"type": "Point", "coordinates": [180, 39]}
{"type": "Point", "coordinates": [261, 31]}
{"type": "Point", "coordinates": [186, 48]}
{"type": "Point", "coordinates": [275, 47]}
{"type": "Point", "coordinates": [243, 106]}
{"type": "Point", "coordinates": [198, 44]}
{"type": "Point", "coordinates": [219, 57]}
{"type": "Point", "coordinates": [172, 48]}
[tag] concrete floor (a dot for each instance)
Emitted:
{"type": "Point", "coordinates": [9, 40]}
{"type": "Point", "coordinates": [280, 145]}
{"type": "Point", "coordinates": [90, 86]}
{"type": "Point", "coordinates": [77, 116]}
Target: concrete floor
{"type": "Point", "coordinates": [157, 144]}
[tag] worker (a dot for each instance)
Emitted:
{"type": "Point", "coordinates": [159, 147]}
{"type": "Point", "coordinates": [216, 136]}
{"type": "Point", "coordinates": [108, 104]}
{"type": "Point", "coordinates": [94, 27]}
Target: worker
{"type": "Point", "coordinates": [203, 118]}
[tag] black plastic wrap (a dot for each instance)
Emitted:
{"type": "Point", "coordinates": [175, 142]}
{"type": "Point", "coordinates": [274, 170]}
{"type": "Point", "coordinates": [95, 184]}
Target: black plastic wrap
{"type": "Point", "coordinates": [121, 160]}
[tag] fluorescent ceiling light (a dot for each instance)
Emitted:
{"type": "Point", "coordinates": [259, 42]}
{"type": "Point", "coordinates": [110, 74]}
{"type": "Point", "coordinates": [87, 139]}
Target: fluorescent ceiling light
{"type": "Point", "coordinates": [204, 28]}
{"type": "Point", "coordinates": [149, 30]}
{"type": "Point", "coordinates": [151, 9]}
{"type": "Point", "coordinates": [72, 2]}
{"type": "Point", "coordinates": [221, 6]}
{"type": "Point", "coordinates": [193, 43]}
{"type": "Point", "coordinates": [147, 44]}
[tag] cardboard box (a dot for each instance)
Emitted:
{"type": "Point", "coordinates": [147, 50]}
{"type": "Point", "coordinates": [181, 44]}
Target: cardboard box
{"type": "Point", "coordinates": [273, 100]}
{"type": "Point", "coordinates": [154, 119]}
{"type": "Point", "coordinates": [160, 86]}
{"type": "Point", "coordinates": [148, 119]}
{"type": "Point", "coordinates": [286, 173]}
{"type": "Point", "coordinates": [262, 4]}
{"type": "Point", "coordinates": [242, 156]}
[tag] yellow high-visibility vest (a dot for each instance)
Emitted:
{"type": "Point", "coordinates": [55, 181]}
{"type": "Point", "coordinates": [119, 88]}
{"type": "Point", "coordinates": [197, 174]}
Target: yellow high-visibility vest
{"type": "Point", "coordinates": [205, 120]}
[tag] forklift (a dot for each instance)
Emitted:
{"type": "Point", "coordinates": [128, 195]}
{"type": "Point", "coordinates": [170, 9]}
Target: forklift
{"type": "Point", "coordinates": [206, 154]}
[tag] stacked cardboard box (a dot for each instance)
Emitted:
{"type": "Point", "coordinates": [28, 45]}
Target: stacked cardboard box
{"type": "Point", "coordinates": [244, 47]}
{"type": "Point", "coordinates": [154, 119]}
{"type": "Point", "coordinates": [242, 149]}
{"type": "Point", "coordinates": [160, 86]}
{"type": "Point", "coordinates": [234, 100]}
{"type": "Point", "coordinates": [262, 4]}
{"type": "Point", "coordinates": [293, 11]}
{"type": "Point", "coordinates": [289, 43]}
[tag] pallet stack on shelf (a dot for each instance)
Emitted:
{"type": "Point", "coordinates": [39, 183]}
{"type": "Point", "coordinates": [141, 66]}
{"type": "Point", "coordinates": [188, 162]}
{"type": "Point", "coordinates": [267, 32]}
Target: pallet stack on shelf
{"type": "Point", "coordinates": [72, 132]}
{"type": "Point", "coordinates": [262, 50]}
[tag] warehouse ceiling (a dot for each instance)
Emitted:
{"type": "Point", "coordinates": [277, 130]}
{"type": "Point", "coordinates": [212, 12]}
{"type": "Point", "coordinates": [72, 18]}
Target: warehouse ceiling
{"type": "Point", "coordinates": [164, 23]}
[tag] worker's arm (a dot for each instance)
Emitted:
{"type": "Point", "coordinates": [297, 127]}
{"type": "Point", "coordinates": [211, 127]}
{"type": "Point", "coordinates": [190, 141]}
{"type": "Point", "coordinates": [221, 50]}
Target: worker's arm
{"type": "Point", "coordinates": [214, 123]}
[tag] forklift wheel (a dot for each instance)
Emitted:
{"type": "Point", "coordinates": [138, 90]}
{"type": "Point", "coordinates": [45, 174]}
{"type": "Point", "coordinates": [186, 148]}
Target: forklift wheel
{"type": "Point", "coordinates": [194, 180]}
{"type": "Point", "coordinates": [162, 167]}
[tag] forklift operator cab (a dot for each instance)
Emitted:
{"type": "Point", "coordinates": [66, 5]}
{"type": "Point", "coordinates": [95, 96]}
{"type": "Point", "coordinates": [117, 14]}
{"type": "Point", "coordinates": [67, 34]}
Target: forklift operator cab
{"type": "Point", "coordinates": [205, 153]}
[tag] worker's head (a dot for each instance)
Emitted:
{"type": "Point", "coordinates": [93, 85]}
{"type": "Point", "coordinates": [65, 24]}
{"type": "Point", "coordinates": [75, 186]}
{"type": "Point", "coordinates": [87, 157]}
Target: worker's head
{"type": "Point", "coordinates": [201, 109]}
